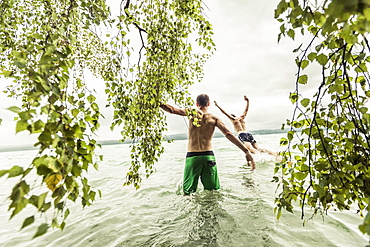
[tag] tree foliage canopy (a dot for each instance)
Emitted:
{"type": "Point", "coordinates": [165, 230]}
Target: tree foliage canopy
{"type": "Point", "coordinates": [327, 161]}
{"type": "Point", "coordinates": [46, 46]}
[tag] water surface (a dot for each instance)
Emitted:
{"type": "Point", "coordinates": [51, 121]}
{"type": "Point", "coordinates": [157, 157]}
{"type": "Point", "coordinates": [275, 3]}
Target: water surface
{"type": "Point", "coordinates": [239, 214]}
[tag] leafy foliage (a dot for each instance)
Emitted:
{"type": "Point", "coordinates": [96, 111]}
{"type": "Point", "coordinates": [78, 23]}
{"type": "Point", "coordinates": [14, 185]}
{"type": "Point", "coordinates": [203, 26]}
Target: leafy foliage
{"type": "Point", "coordinates": [45, 48]}
{"type": "Point", "coordinates": [326, 164]}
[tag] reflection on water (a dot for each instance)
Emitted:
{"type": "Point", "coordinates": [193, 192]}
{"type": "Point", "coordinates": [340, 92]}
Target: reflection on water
{"type": "Point", "coordinates": [208, 223]}
{"type": "Point", "coordinates": [195, 220]}
{"type": "Point", "coordinates": [247, 179]}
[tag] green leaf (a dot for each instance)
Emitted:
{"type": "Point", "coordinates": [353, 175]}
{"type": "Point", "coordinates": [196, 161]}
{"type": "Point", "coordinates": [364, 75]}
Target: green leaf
{"type": "Point", "coordinates": [283, 141]}
{"type": "Point", "coordinates": [20, 63]}
{"type": "Point", "coordinates": [19, 204]}
{"type": "Point", "coordinates": [7, 73]}
{"type": "Point", "coordinates": [305, 102]}
{"type": "Point", "coordinates": [15, 171]}
{"type": "Point", "coordinates": [298, 48]}
{"type": "Point", "coordinates": [304, 64]}
{"type": "Point", "coordinates": [363, 110]}
{"type": "Point", "coordinates": [281, 8]}
{"type": "Point", "coordinates": [91, 98]}
{"type": "Point", "coordinates": [290, 136]}
{"type": "Point", "coordinates": [41, 200]}
{"type": "Point", "coordinates": [300, 175]}
{"type": "Point", "coordinates": [66, 214]}
{"type": "Point", "coordinates": [14, 109]}
{"type": "Point", "coordinates": [293, 97]}
{"type": "Point", "coordinates": [28, 221]}
{"type": "Point", "coordinates": [21, 126]}
{"type": "Point", "coordinates": [279, 213]}
{"type": "Point", "coordinates": [303, 79]}
{"type": "Point", "coordinates": [361, 68]}
{"type": "Point", "coordinates": [3, 172]}
{"type": "Point", "coordinates": [41, 230]}
{"type": "Point", "coordinates": [350, 125]}
{"type": "Point", "coordinates": [312, 56]}
{"type": "Point", "coordinates": [322, 59]}
{"type": "Point", "coordinates": [291, 33]}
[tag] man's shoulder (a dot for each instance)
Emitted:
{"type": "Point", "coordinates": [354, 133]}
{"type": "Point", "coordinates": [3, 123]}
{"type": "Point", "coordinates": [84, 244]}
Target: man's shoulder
{"type": "Point", "coordinates": [210, 115]}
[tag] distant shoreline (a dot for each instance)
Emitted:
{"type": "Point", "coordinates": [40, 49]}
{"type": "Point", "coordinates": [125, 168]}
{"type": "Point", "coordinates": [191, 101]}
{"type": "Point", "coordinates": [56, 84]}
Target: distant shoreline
{"type": "Point", "coordinates": [181, 136]}
{"type": "Point", "coordinates": [184, 136]}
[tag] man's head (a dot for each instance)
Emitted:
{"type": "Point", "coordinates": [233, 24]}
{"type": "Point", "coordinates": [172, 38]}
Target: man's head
{"type": "Point", "coordinates": [232, 115]}
{"type": "Point", "coordinates": [202, 100]}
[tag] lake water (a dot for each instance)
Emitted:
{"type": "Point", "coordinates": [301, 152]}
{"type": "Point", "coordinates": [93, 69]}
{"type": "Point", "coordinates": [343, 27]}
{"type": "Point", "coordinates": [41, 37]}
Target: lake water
{"type": "Point", "coordinates": [239, 214]}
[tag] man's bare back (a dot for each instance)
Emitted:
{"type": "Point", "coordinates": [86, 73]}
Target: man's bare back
{"type": "Point", "coordinates": [239, 124]}
{"type": "Point", "coordinates": [200, 137]}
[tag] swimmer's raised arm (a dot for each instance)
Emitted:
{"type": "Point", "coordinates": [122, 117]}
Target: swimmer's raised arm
{"type": "Point", "coordinates": [246, 107]}
{"type": "Point", "coordinates": [222, 110]}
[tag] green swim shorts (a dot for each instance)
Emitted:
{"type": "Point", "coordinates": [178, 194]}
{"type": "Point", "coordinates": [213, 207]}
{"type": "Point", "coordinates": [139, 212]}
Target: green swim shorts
{"type": "Point", "coordinates": [203, 165]}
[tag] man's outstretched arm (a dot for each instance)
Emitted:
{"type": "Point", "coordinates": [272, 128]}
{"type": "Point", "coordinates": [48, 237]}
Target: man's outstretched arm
{"type": "Point", "coordinates": [236, 142]}
{"type": "Point", "coordinates": [222, 110]}
{"type": "Point", "coordinates": [246, 108]}
{"type": "Point", "coordinates": [173, 110]}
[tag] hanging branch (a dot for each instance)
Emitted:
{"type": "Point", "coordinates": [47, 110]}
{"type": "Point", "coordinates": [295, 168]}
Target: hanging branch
{"type": "Point", "coordinates": [141, 30]}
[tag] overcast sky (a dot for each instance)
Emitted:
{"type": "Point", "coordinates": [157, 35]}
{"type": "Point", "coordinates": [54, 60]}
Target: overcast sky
{"type": "Point", "coordinates": [248, 61]}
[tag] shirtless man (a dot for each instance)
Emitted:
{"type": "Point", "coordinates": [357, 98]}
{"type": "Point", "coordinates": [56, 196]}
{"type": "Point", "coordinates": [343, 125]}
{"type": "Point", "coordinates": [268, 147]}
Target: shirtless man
{"type": "Point", "coordinates": [200, 160]}
{"type": "Point", "coordinates": [240, 128]}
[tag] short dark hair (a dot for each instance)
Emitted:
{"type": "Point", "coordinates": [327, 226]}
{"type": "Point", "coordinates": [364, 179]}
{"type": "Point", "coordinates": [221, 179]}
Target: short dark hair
{"type": "Point", "coordinates": [232, 115]}
{"type": "Point", "coordinates": [203, 100]}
